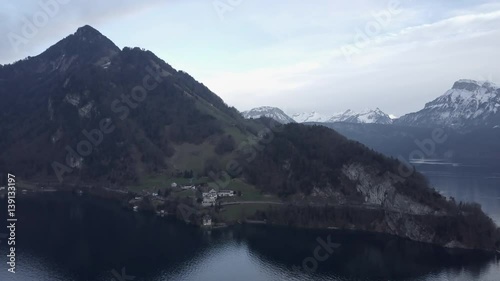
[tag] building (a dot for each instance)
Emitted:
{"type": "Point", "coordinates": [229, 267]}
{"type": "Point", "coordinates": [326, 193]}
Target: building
{"type": "Point", "coordinates": [207, 221]}
{"type": "Point", "coordinates": [188, 187]}
{"type": "Point", "coordinates": [209, 201]}
{"type": "Point", "coordinates": [212, 194]}
{"type": "Point", "coordinates": [226, 193]}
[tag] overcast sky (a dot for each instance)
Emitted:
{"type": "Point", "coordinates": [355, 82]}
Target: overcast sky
{"type": "Point", "coordinates": [321, 55]}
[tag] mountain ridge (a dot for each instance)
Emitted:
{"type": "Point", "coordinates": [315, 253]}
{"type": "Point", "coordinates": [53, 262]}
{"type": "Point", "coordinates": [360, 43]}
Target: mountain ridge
{"type": "Point", "coordinates": [365, 116]}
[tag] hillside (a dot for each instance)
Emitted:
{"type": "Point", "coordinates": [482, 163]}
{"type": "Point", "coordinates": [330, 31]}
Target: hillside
{"type": "Point", "coordinates": [51, 100]}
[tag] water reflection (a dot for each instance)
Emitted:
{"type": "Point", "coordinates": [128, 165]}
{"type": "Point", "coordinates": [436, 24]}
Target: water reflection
{"type": "Point", "coordinates": [66, 237]}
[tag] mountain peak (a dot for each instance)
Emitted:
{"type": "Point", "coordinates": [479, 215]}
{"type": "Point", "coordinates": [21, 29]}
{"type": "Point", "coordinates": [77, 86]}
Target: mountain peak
{"type": "Point", "coordinates": [88, 35]}
{"type": "Point", "coordinates": [269, 112]}
{"type": "Point", "coordinates": [87, 44]}
{"type": "Point", "coordinates": [87, 30]}
{"type": "Point", "coordinates": [472, 85]}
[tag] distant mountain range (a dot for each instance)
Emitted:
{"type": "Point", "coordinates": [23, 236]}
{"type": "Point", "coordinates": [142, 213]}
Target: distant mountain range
{"type": "Point", "coordinates": [375, 116]}
{"type": "Point", "coordinates": [468, 104]}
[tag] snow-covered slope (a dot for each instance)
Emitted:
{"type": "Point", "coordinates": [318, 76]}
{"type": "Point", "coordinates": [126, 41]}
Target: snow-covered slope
{"type": "Point", "coordinates": [349, 116]}
{"type": "Point", "coordinates": [375, 116]}
{"type": "Point", "coordinates": [469, 103]}
{"type": "Point", "coordinates": [270, 112]}
{"type": "Point", "coordinates": [309, 117]}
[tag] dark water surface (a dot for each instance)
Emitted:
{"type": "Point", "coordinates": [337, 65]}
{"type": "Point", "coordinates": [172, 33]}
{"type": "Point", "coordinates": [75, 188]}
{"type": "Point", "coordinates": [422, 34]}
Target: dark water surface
{"type": "Point", "coordinates": [66, 237]}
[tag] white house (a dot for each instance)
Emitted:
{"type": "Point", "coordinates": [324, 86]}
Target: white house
{"type": "Point", "coordinates": [226, 193]}
{"type": "Point", "coordinates": [173, 185]}
{"type": "Point", "coordinates": [188, 187]}
{"type": "Point", "coordinates": [209, 201]}
{"type": "Point", "coordinates": [212, 194]}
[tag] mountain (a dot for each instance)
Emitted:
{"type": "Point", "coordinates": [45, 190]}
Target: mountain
{"type": "Point", "coordinates": [309, 117]}
{"type": "Point", "coordinates": [376, 116]}
{"type": "Point", "coordinates": [85, 113]}
{"type": "Point", "coordinates": [270, 112]}
{"type": "Point", "coordinates": [467, 104]}
{"type": "Point", "coordinates": [86, 110]}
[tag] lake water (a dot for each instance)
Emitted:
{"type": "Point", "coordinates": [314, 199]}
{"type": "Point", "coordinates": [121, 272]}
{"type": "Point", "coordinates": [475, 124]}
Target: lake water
{"type": "Point", "coordinates": [71, 238]}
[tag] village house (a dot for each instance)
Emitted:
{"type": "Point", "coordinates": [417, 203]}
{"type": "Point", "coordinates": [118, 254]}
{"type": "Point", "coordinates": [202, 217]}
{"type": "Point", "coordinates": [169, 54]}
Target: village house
{"type": "Point", "coordinates": [209, 201]}
{"type": "Point", "coordinates": [212, 194]}
{"type": "Point", "coordinates": [188, 187]}
{"type": "Point", "coordinates": [226, 193]}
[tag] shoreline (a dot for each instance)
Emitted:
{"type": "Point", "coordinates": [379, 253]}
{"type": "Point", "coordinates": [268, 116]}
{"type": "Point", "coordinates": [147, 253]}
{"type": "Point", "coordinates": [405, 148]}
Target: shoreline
{"type": "Point", "coordinates": [119, 196]}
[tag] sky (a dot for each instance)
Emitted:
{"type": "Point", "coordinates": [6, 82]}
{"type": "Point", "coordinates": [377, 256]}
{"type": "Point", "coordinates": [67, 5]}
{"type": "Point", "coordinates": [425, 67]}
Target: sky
{"type": "Point", "coordinates": [323, 55]}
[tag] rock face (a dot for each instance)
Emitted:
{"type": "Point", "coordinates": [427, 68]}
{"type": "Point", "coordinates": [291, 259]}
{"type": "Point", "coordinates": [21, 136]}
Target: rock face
{"type": "Point", "coordinates": [381, 191]}
{"type": "Point", "coordinates": [270, 112]}
{"type": "Point", "coordinates": [404, 215]}
{"type": "Point", "coordinates": [467, 104]}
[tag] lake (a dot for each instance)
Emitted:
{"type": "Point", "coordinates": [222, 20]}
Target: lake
{"type": "Point", "coordinates": [61, 236]}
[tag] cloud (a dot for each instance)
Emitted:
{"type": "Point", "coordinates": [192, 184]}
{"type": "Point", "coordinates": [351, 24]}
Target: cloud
{"type": "Point", "coordinates": [400, 72]}
{"type": "Point", "coordinates": [288, 53]}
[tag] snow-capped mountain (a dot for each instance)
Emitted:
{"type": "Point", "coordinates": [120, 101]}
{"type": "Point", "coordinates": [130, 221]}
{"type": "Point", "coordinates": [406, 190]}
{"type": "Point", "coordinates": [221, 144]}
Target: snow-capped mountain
{"type": "Point", "coordinates": [375, 116]}
{"type": "Point", "coordinates": [309, 117]}
{"type": "Point", "coordinates": [468, 103]}
{"type": "Point", "coordinates": [349, 116]}
{"type": "Point", "coordinates": [270, 112]}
